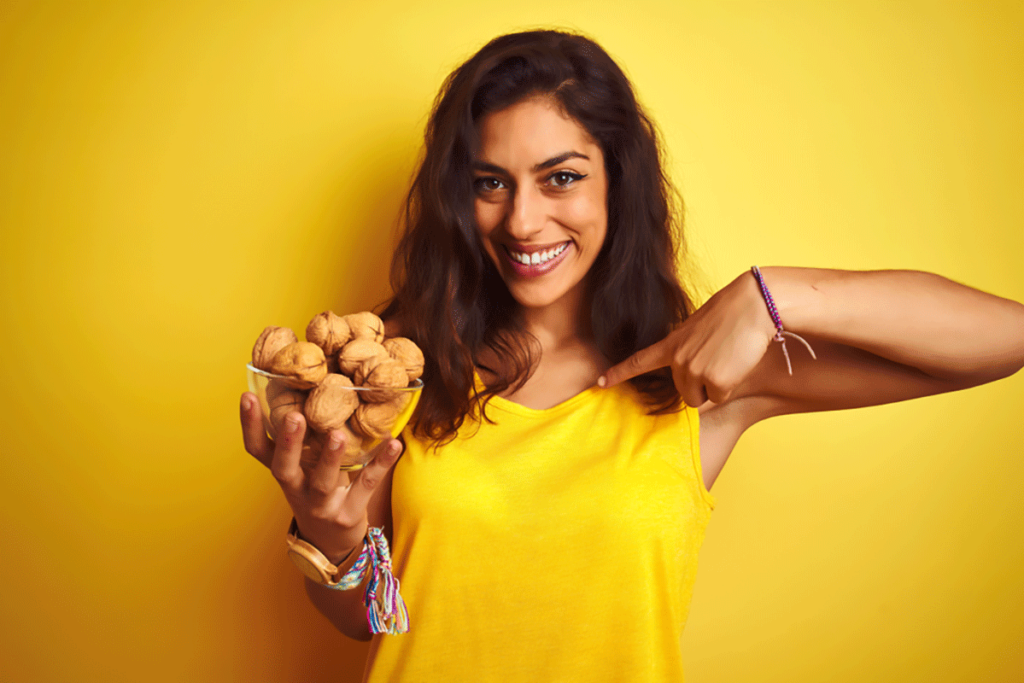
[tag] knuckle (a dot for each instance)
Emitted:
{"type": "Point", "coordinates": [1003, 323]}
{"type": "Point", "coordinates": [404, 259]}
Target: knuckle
{"type": "Point", "coordinates": [319, 488]}
{"type": "Point", "coordinates": [722, 382]}
{"type": "Point", "coordinates": [715, 394]}
{"type": "Point", "coordinates": [714, 381]}
{"type": "Point", "coordinates": [369, 482]}
{"type": "Point", "coordinates": [346, 519]}
{"type": "Point", "coordinates": [279, 472]}
{"type": "Point", "coordinates": [255, 449]}
{"type": "Point", "coordinates": [715, 390]}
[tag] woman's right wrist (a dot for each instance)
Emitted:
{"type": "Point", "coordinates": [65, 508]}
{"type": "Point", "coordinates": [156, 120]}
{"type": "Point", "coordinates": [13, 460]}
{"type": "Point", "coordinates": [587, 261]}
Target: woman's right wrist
{"type": "Point", "coordinates": [335, 557]}
{"type": "Point", "coordinates": [346, 560]}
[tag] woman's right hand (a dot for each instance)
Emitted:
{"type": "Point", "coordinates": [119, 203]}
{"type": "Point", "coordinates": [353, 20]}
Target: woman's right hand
{"type": "Point", "coordinates": [330, 510]}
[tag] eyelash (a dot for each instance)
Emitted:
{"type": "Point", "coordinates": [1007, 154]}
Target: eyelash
{"type": "Point", "coordinates": [572, 178]}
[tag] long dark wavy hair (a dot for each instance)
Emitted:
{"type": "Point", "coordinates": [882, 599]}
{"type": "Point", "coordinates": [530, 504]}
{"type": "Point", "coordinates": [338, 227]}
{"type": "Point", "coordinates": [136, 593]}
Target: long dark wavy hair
{"type": "Point", "coordinates": [449, 297]}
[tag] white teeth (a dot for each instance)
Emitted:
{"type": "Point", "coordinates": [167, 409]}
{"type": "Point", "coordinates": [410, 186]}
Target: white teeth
{"type": "Point", "coordinates": [538, 257]}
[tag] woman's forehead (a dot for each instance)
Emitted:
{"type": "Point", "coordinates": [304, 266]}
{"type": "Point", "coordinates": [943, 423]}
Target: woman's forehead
{"type": "Point", "coordinates": [531, 132]}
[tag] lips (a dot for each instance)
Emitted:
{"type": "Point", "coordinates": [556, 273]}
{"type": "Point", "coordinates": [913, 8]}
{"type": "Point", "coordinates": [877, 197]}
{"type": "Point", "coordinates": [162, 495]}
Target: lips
{"type": "Point", "coordinates": [555, 254]}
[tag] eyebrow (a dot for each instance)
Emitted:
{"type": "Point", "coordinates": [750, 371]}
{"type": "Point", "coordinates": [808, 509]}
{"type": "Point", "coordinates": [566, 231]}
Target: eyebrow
{"type": "Point", "coordinates": [553, 161]}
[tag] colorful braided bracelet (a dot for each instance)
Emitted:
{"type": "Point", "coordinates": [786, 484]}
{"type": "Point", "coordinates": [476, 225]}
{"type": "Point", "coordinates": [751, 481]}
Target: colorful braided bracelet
{"type": "Point", "coordinates": [385, 608]}
{"type": "Point", "coordinates": [774, 313]}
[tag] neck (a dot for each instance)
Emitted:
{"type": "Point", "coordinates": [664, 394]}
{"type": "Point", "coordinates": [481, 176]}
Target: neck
{"type": "Point", "coordinates": [567, 360]}
{"type": "Point", "coordinates": [566, 323]}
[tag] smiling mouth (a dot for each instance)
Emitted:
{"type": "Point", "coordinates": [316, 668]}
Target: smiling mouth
{"type": "Point", "coordinates": [538, 257]}
{"type": "Point", "coordinates": [538, 262]}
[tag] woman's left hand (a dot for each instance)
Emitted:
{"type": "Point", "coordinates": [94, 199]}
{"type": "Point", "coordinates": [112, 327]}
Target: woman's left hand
{"type": "Point", "coordinates": [714, 350]}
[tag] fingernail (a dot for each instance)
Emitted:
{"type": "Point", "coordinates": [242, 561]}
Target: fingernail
{"type": "Point", "coordinates": [292, 423]}
{"type": "Point", "coordinates": [394, 448]}
{"type": "Point", "coordinates": [334, 442]}
{"type": "Point", "coordinates": [602, 380]}
{"type": "Point", "coordinates": [246, 402]}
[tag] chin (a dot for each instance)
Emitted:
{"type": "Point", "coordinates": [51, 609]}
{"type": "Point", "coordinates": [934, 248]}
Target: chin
{"type": "Point", "coordinates": [539, 298]}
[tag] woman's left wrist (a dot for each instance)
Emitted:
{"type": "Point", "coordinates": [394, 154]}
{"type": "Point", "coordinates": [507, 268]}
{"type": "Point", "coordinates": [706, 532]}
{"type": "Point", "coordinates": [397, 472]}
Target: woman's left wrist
{"type": "Point", "coordinates": [794, 294]}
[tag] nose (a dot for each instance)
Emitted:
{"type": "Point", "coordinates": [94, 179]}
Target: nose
{"type": "Point", "coordinates": [527, 214]}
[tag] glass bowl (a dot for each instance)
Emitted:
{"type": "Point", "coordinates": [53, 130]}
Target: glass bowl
{"type": "Point", "coordinates": [382, 403]}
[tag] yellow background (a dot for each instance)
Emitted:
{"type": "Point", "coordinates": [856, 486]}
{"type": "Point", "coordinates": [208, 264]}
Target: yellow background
{"type": "Point", "coordinates": [174, 176]}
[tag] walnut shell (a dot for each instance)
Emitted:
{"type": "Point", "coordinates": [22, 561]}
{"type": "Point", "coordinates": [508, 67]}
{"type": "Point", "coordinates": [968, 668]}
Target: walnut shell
{"type": "Point", "coordinates": [331, 403]}
{"type": "Point", "coordinates": [328, 331]}
{"type": "Point", "coordinates": [374, 420]}
{"type": "Point", "coordinates": [353, 447]}
{"type": "Point", "coordinates": [282, 400]}
{"type": "Point", "coordinates": [407, 353]}
{"type": "Point", "coordinates": [383, 374]}
{"type": "Point", "coordinates": [401, 400]}
{"type": "Point", "coordinates": [353, 453]}
{"type": "Point", "coordinates": [270, 341]}
{"type": "Point", "coordinates": [302, 362]}
{"type": "Point", "coordinates": [358, 351]}
{"type": "Point", "coordinates": [275, 388]}
{"type": "Point", "coordinates": [366, 325]}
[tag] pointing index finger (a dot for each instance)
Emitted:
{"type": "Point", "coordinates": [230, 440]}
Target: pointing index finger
{"type": "Point", "coordinates": [655, 356]}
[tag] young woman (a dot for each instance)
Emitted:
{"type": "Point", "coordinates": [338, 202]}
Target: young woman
{"type": "Point", "coordinates": [547, 512]}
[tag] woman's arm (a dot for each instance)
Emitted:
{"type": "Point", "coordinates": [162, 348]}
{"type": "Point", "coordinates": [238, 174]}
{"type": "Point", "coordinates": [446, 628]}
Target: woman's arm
{"type": "Point", "coordinates": [922, 320]}
{"type": "Point", "coordinates": [345, 609]}
{"type": "Point", "coordinates": [332, 511]}
{"type": "Point", "coordinates": [880, 336]}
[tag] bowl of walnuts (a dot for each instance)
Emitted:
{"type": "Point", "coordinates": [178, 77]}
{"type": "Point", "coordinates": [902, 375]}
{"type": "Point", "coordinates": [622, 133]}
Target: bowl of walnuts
{"type": "Point", "coordinates": [346, 376]}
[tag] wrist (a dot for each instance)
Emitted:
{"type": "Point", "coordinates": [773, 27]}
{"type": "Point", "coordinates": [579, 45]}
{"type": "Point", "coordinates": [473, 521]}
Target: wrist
{"type": "Point", "coordinates": [796, 294]}
{"type": "Point", "coordinates": [773, 312]}
{"type": "Point", "coordinates": [335, 554]}
{"type": "Point", "coordinates": [759, 313]}
{"type": "Point", "coordinates": [385, 609]}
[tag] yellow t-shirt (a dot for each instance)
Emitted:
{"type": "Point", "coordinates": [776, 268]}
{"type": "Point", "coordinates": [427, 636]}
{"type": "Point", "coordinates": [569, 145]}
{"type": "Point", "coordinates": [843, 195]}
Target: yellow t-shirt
{"type": "Point", "coordinates": [556, 545]}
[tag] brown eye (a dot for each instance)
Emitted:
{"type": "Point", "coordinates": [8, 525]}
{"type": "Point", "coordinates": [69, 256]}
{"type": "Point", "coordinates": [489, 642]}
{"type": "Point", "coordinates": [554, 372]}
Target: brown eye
{"type": "Point", "coordinates": [488, 184]}
{"type": "Point", "coordinates": [564, 178]}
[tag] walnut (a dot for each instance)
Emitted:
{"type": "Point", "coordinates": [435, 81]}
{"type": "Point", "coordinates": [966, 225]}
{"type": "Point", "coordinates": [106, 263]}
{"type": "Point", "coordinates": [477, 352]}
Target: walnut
{"type": "Point", "coordinates": [353, 453]}
{"type": "Point", "coordinates": [270, 341]}
{"type": "Point", "coordinates": [375, 420]}
{"type": "Point", "coordinates": [366, 326]}
{"type": "Point", "coordinates": [401, 400]}
{"type": "Point", "coordinates": [407, 353]}
{"type": "Point", "coordinates": [381, 373]}
{"type": "Point", "coordinates": [275, 388]}
{"type": "Point", "coordinates": [358, 351]}
{"type": "Point", "coordinates": [331, 403]}
{"type": "Point", "coordinates": [328, 331]}
{"type": "Point", "coordinates": [282, 400]}
{"type": "Point", "coordinates": [303, 363]}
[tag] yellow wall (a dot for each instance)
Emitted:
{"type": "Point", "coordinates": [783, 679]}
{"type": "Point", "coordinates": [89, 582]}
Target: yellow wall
{"type": "Point", "coordinates": [176, 175]}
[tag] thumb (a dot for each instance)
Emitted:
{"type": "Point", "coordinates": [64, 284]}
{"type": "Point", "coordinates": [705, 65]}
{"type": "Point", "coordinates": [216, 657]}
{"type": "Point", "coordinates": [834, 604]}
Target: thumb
{"type": "Point", "coordinates": [656, 356]}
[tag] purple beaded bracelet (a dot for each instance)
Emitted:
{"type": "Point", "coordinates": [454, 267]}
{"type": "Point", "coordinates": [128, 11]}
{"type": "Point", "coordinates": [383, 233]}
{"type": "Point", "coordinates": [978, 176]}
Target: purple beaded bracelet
{"type": "Point", "coordinates": [774, 313]}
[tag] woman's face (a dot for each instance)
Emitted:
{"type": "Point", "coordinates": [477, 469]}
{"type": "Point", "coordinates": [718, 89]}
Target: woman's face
{"type": "Point", "coordinates": [541, 200]}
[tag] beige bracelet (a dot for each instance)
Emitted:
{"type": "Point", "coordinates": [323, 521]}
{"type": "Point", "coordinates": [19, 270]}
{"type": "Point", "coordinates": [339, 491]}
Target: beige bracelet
{"type": "Point", "coordinates": [313, 563]}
